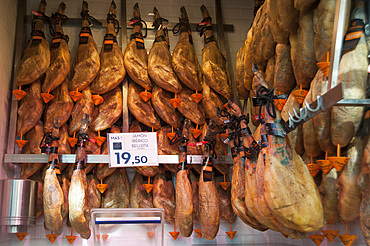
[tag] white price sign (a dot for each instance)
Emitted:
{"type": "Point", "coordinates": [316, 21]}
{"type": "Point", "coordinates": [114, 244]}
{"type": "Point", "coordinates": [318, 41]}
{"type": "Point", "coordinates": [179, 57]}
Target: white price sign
{"type": "Point", "coordinates": [132, 149]}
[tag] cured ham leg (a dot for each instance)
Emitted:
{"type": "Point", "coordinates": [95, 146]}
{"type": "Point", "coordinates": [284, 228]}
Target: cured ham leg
{"type": "Point", "coordinates": [112, 71]}
{"type": "Point", "coordinates": [53, 196]}
{"type": "Point", "coordinates": [32, 147]}
{"type": "Point", "coordinates": [30, 109]}
{"type": "Point", "coordinates": [160, 60]}
{"type": "Point", "coordinates": [164, 194]}
{"type": "Point", "coordinates": [83, 106]}
{"type": "Point", "coordinates": [364, 184]}
{"type": "Point", "coordinates": [184, 59]}
{"type": "Point", "coordinates": [36, 59]}
{"type": "Point", "coordinates": [136, 58]}
{"type": "Point", "coordinates": [143, 111]}
{"type": "Point", "coordinates": [184, 193]}
{"type": "Point", "coordinates": [139, 198]}
{"type": "Point", "coordinates": [60, 62]}
{"type": "Point", "coordinates": [349, 195]}
{"type": "Point", "coordinates": [107, 113]}
{"type": "Point", "coordinates": [214, 67]}
{"type": "Point", "coordinates": [209, 213]}
{"type": "Point", "coordinates": [86, 62]}
{"type": "Point", "coordinates": [79, 215]}
{"type": "Point", "coordinates": [288, 188]}
{"type": "Point", "coordinates": [117, 194]}
{"type": "Point", "coordinates": [61, 107]}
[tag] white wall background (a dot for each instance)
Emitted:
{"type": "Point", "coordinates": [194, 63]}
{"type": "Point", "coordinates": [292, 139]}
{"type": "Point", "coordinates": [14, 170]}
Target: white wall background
{"type": "Point", "coordinates": [236, 12]}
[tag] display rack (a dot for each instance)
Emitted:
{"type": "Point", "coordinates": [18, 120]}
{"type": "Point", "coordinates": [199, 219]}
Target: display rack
{"type": "Point", "coordinates": [21, 40]}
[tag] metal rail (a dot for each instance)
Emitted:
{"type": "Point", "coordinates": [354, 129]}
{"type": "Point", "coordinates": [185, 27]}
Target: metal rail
{"type": "Point", "coordinates": [70, 158]}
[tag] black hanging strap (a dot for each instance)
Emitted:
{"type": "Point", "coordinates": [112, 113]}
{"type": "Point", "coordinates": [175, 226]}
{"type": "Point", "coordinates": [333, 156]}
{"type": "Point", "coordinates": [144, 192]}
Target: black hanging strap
{"type": "Point", "coordinates": [137, 21]}
{"type": "Point", "coordinates": [183, 26]}
{"type": "Point", "coordinates": [265, 97]}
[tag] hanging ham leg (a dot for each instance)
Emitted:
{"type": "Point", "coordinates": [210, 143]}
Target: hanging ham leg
{"type": "Point", "coordinates": [143, 111]}
{"type": "Point", "coordinates": [112, 70]}
{"type": "Point", "coordinates": [83, 106]}
{"type": "Point", "coordinates": [32, 147]}
{"type": "Point", "coordinates": [163, 107]}
{"type": "Point", "coordinates": [184, 59]}
{"type": "Point", "coordinates": [139, 198]}
{"type": "Point", "coordinates": [107, 113]}
{"type": "Point", "coordinates": [349, 195]}
{"type": "Point", "coordinates": [53, 196]}
{"type": "Point", "coordinates": [329, 196]}
{"type": "Point", "coordinates": [93, 195]}
{"type": "Point", "coordinates": [164, 194]}
{"type": "Point", "coordinates": [78, 205]}
{"type": "Point", "coordinates": [60, 63]}
{"type": "Point", "coordinates": [117, 194]}
{"type": "Point", "coordinates": [214, 67]}
{"type": "Point", "coordinates": [184, 193]}
{"type": "Point", "coordinates": [136, 58]}
{"type": "Point", "coordinates": [159, 62]}
{"type": "Point", "coordinates": [61, 107]}
{"type": "Point", "coordinates": [364, 184]}
{"type": "Point", "coordinates": [209, 213]}
{"type": "Point", "coordinates": [36, 59]}
{"type": "Point", "coordinates": [288, 188]}
{"type": "Point", "coordinates": [30, 109]}
{"type": "Point", "coordinates": [86, 62]}
{"type": "Point", "coordinates": [353, 73]}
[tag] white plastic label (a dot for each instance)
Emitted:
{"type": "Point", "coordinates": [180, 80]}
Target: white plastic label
{"type": "Point", "coordinates": [132, 149]}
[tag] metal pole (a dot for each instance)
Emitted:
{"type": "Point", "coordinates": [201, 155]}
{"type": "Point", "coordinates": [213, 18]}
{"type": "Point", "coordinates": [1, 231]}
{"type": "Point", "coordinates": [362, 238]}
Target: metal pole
{"type": "Point", "coordinates": [225, 50]}
{"type": "Point", "coordinates": [341, 12]}
{"type": "Point", "coordinates": [125, 113]}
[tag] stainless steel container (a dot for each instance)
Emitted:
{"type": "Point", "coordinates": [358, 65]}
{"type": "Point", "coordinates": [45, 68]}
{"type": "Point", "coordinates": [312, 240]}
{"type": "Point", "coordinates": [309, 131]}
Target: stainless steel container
{"type": "Point", "coordinates": [18, 199]}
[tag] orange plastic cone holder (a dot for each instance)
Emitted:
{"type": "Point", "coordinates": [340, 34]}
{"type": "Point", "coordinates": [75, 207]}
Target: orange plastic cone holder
{"type": "Point", "coordinates": [325, 66]}
{"type": "Point", "coordinates": [104, 237]}
{"type": "Point", "coordinates": [325, 165]}
{"type": "Point", "coordinates": [21, 235]}
{"type": "Point", "coordinates": [314, 168]}
{"type": "Point", "coordinates": [151, 234]}
{"type": "Point", "coordinates": [300, 95]}
{"type": "Point", "coordinates": [101, 187]}
{"type": "Point", "coordinates": [99, 140]}
{"type": "Point", "coordinates": [145, 95]}
{"type": "Point", "coordinates": [71, 238]}
{"type": "Point", "coordinates": [338, 162]}
{"type": "Point", "coordinates": [224, 135]}
{"type": "Point", "coordinates": [317, 239]}
{"type": "Point", "coordinates": [97, 99]}
{"type": "Point", "coordinates": [196, 132]}
{"type": "Point", "coordinates": [19, 94]}
{"type": "Point", "coordinates": [72, 141]}
{"type": "Point", "coordinates": [196, 97]}
{"type": "Point", "coordinates": [198, 232]}
{"type": "Point", "coordinates": [346, 239]}
{"type": "Point", "coordinates": [174, 234]}
{"type": "Point", "coordinates": [75, 95]}
{"type": "Point", "coordinates": [47, 96]}
{"type": "Point", "coordinates": [148, 187]}
{"type": "Point", "coordinates": [279, 103]}
{"type": "Point", "coordinates": [330, 234]}
{"type": "Point", "coordinates": [225, 184]}
{"type": "Point", "coordinates": [226, 105]}
{"type": "Point", "coordinates": [175, 101]}
{"type": "Point", "coordinates": [21, 142]}
{"type": "Point", "coordinates": [231, 233]}
{"type": "Point", "coordinates": [171, 135]}
{"type": "Point", "coordinates": [52, 237]}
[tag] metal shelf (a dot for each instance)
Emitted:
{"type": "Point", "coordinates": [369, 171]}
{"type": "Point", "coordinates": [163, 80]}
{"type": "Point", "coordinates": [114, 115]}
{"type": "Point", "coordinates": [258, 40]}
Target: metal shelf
{"type": "Point", "coordinates": [70, 159]}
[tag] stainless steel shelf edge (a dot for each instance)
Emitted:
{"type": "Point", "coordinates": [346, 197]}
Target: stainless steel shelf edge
{"type": "Point", "coordinates": [70, 159]}
{"type": "Point", "coordinates": [353, 102]}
